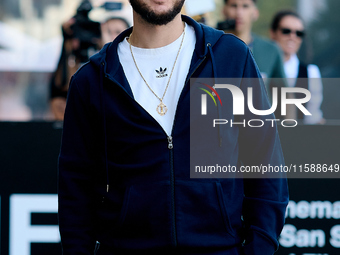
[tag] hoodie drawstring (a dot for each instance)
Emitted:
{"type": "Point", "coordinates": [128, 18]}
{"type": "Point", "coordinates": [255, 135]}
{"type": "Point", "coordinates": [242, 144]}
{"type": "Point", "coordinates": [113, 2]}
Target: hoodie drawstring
{"type": "Point", "coordinates": [214, 75]}
{"type": "Point", "coordinates": [101, 84]}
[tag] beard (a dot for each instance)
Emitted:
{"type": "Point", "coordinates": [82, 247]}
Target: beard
{"type": "Point", "coordinates": [153, 18]}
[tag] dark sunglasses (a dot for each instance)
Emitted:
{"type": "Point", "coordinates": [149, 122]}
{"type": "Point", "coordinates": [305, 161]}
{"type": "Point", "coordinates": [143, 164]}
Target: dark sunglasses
{"type": "Point", "coordinates": [287, 31]}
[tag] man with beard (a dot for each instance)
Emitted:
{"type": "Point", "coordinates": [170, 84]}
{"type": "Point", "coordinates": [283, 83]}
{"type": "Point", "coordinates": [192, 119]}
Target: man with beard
{"type": "Point", "coordinates": [124, 179]}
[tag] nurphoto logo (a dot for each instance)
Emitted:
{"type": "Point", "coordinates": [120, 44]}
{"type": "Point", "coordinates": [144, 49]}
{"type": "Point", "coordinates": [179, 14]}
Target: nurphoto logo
{"type": "Point", "coordinates": [239, 103]}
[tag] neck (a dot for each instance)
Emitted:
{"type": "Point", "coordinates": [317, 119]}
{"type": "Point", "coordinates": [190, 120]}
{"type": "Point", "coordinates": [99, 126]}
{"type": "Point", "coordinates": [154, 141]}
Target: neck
{"type": "Point", "coordinates": [245, 36]}
{"type": "Point", "coordinates": [287, 57]}
{"type": "Point", "coordinates": [146, 35]}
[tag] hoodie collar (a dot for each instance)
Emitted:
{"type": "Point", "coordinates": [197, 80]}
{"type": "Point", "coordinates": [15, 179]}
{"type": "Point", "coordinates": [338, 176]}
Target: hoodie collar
{"type": "Point", "coordinates": [108, 56]}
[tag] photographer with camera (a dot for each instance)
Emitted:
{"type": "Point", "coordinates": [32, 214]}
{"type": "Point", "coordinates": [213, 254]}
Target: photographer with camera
{"type": "Point", "coordinates": [85, 34]}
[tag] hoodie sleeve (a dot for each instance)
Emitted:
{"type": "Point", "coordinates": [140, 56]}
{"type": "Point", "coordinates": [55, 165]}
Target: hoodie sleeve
{"type": "Point", "coordinates": [76, 165]}
{"type": "Point", "coordinates": [265, 198]}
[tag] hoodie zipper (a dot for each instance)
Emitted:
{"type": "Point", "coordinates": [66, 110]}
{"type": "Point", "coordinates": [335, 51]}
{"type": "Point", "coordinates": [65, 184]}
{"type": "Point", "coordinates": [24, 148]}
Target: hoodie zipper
{"type": "Point", "coordinates": [172, 184]}
{"type": "Point", "coordinates": [172, 172]}
{"type": "Point", "coordinates": [170, 147]}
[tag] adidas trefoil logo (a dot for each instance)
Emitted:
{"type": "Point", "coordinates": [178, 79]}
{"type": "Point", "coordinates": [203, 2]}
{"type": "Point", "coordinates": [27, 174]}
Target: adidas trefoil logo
{"type": "Point", "coordinates": [161, 73]}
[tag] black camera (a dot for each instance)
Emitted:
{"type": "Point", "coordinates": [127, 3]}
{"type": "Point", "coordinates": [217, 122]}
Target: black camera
{"type": "Point", "coordinates": [87, 31]}
{"type": "Point", "coordinates": [229, 24]}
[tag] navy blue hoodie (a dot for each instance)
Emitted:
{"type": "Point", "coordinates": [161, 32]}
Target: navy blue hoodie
{"type": "Point", "coordinates": [125, 184]}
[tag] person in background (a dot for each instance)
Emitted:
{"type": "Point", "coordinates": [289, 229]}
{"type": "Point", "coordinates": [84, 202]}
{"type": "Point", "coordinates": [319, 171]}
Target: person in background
{"type": "Point", "coordinates": [67, 66]}
{"type": "Point", "coordinates": [112, 23]}
{"type": "Point", "coordinates": [288, 30]}
{"type": "Point", "coordinates": [112, 28]}
{"type": "Point", "coordinates": [267, 55]}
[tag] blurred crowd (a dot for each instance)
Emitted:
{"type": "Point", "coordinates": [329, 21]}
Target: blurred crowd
{"type": "Point", "coordinates": [94, 25]}
{"type": "Point", "coordinates": [83, 35]}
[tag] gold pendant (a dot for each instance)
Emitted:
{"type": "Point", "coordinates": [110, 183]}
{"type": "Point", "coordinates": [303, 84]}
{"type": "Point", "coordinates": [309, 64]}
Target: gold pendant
{"type": "Point", "coordinates": [162, 109]}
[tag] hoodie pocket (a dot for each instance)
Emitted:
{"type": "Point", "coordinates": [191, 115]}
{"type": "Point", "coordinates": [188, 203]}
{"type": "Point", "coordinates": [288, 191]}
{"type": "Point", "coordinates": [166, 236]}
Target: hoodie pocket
{"type": "Point", "coordinates": [201, 213]}
{"type": "Point", "coordinates": [145, 218]}
{"type": "Point", "coordinates": [223, 207]}
{"type": "Point", "coordinates": [124, 206]}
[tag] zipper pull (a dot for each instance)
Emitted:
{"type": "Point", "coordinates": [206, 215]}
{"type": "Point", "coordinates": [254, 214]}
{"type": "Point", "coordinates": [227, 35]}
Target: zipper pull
{"type": "Point", "coordinates": [170, 144]}
{"type": "Point", "coordinates": [96, 248]}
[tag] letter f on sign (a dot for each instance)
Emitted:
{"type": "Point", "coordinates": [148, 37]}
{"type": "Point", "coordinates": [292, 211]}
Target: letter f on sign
{"type": "Point", "coordinates": [22, 232]}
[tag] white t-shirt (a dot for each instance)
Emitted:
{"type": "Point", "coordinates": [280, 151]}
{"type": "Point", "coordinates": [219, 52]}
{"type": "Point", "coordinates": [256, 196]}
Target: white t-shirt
{"type": "Point", "coordinates": [315, 87]}
{"type": "Point", "coordinates": [155, 66]}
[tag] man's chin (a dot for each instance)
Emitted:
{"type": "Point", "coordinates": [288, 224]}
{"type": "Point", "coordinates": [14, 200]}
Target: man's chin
{"type": "Point", "coordinates": [156, 14]}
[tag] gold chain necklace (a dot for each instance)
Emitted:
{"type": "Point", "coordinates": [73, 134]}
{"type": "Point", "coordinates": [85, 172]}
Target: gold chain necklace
{"type": "Point", "coordinates": [161, 108]}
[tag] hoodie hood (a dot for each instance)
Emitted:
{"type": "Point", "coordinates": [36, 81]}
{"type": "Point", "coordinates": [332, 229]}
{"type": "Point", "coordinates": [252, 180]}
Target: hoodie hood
{"type": "Point", "coordinates": [206, 38]}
